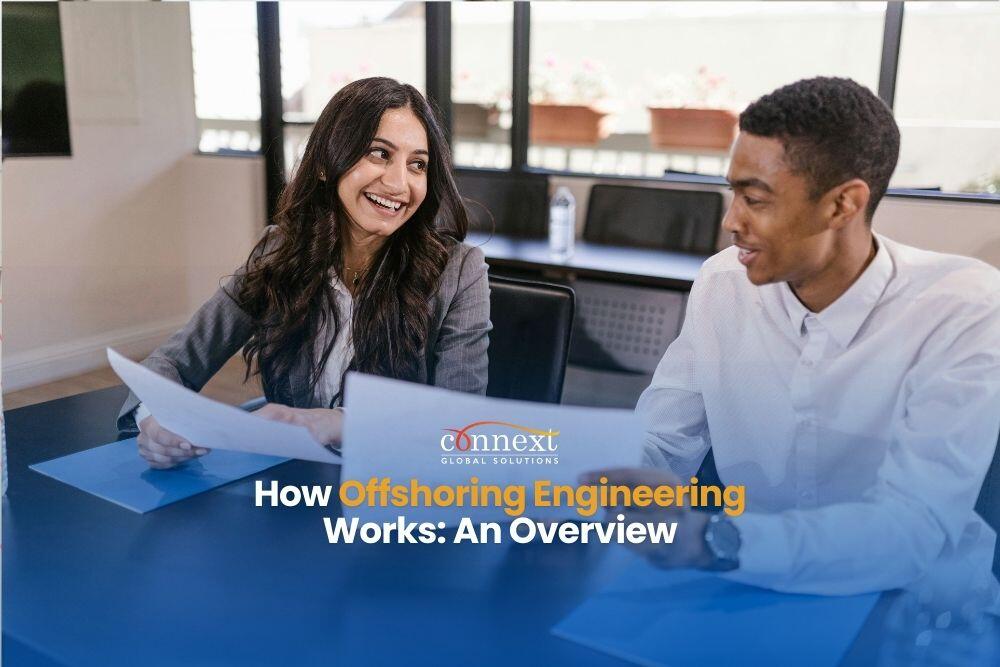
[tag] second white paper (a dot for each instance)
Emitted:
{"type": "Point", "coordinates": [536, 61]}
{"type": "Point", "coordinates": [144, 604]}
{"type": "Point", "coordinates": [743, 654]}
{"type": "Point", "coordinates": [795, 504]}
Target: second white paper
{"type": "Point", "coordinates": [405, 431]}
{"type": "Point", "coordinates": [214, 425]}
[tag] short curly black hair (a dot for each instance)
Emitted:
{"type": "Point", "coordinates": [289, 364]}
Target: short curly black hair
{"type": "Point", "coordinates": [833, 130]}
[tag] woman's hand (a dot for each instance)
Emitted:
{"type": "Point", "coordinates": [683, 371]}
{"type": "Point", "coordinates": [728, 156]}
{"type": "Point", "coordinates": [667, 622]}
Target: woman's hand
{"type": "Point", "coordinates": [325, 426]}
{"type": "Point", "coordinates": [162, 448]}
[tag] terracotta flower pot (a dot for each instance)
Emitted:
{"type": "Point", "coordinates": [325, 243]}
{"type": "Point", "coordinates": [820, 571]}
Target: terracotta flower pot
{"type": "Point", "coordinates": [567, 124]}
{"type": "Point", "coordinates": [472, 120]}
{"type": "Point", "coordinates": [692, 128]}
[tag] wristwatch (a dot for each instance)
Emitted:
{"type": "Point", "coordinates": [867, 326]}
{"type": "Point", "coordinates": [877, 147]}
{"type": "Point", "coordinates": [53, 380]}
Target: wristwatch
{"type": "Point", "coordinates": [722, 538]}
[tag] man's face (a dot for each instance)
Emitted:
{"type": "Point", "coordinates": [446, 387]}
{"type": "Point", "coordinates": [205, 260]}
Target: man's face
{"type": "Point", "coordinates": [780, 231]}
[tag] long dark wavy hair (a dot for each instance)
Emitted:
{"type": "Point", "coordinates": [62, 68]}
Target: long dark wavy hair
{"type": "Point", "coordinates": [286, 286]}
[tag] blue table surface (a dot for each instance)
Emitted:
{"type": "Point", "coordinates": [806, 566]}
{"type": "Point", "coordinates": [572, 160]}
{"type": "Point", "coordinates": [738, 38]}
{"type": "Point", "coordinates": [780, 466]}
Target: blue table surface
{"type": "Point", "coordinates": [213, 580]}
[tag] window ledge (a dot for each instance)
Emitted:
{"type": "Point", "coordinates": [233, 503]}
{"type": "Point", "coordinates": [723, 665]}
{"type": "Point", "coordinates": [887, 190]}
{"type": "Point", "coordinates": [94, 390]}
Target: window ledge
{"type": "Point", "coordinates": [228, 153]}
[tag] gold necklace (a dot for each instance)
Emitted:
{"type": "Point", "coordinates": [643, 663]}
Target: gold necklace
{"type": "Point", "coordinates": [356, 278]}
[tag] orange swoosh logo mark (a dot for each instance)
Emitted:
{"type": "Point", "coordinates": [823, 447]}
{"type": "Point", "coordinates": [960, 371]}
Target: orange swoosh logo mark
{"type": "Point", "coordinates": [463, 435]}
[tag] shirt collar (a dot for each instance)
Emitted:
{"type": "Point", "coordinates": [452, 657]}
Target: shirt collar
{"type": "Point", "coordinates": [797, 313]}
{"type": "Point", "coordinates": [844, 317]}
{"type": "Point", "coordinates": [338, 285]}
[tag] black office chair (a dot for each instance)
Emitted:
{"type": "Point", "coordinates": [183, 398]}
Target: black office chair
{"type": "Point", "coordinates": [505, 203]}
{"type": "Point", "coordinates": [988, 504]}
{"type": "Point", "coordinates": [655, 218]}
{"type": "Point", "coordinates": [529, 344]}
{"type": "Point", "coordinates": [627, 328]}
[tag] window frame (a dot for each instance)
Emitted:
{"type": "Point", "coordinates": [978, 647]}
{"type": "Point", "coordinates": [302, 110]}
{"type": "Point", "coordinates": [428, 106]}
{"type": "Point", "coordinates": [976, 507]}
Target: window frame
{"type": "Point", "coordinates": [438, 77]}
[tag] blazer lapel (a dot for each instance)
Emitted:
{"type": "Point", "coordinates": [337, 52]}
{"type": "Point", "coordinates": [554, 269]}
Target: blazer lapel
{"type": "Point", "coordinates": [298, 383]}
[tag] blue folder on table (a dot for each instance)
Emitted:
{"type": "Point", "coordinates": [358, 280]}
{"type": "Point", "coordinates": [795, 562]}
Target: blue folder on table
{"type": "Point", "coordinates": [683, 617]}
{"type": "Point", "coordinates": [117, 473]}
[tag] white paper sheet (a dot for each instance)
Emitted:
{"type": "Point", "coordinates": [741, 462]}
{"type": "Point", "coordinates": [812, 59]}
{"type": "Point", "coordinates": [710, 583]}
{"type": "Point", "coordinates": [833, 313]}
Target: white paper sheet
{"type": "Point", "coordinates": [394, 429]}
{"type": "Point", "coordinates": [214, 425]}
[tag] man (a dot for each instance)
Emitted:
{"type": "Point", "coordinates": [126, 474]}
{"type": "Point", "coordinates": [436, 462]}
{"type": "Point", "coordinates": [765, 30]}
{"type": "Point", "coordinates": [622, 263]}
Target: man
{"type": "Point", "coordinates": [850, 382]}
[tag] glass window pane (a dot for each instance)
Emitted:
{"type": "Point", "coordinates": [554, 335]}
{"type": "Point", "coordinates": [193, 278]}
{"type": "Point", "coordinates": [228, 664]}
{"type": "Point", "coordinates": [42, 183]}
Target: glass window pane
{"type": "Point", "coordinates": [296, 135]}
{"type": "Point", "coordinates": [226, 75]}
{"type": "Point", "coordinates": [947, 98]}
{"type": "Point", "coordinates": [597, 68]}
{"type": "Point", "coordinates": [482, 36]}
{"type": "Point", "coordinates": [325, 45]}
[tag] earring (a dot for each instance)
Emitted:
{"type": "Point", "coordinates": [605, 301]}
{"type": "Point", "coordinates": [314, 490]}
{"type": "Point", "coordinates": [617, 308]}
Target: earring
{"type": "Point", "coordinates": [322, 175]}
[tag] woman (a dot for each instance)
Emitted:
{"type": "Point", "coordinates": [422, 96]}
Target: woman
{"type": "Point", "coordinates": [364, 269]}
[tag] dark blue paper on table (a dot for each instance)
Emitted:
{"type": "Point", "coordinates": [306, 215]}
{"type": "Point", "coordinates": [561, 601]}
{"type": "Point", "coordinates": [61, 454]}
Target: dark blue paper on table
{"type": "Point", "coordinates": [683, 617]}
{"type": "Point", "coordinates": [117, 473]}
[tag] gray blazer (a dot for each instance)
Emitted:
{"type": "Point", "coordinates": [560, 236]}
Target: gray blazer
{"type": "Point", "coordinates": [454, 357]}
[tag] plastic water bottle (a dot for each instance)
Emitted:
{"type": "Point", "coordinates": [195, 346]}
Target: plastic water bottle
{"type": "Point", "coordinates": [562, 224]}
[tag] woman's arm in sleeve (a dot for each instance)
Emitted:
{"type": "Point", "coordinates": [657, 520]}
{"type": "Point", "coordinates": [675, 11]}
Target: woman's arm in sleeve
{"type": "Point", "coordinates": [460, 353]}
{"type": "Point", "coordinates": [192, 355]}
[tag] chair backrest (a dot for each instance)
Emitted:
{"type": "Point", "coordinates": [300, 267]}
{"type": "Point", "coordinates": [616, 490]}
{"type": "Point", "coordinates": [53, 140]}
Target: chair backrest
{"type": "Point", "coordinates": [518, 203]}
{"type": "Point", "coordinates": [988, 504]}
{"type": "Point", "coordinates": [623, 327]}
{"type": "Point", "coordinates": [658, 218]}
{"type": "Point", "coordinates": [529, 344]}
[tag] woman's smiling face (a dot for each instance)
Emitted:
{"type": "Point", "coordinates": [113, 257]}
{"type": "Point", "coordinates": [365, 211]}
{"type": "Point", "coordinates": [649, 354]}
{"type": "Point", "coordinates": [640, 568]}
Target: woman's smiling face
{"type": "Point", "coordinates": [388, 184]}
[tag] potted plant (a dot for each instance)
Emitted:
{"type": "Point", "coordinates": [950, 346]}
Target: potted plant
{"type": "Point", "coordinates": [692, 112]}
{"type": "Point", "coordinates": [475, 110]}
{"type": "Point", "coordinates": [984, 183]}
{"type": "Point", "coordinates": [569, 107]}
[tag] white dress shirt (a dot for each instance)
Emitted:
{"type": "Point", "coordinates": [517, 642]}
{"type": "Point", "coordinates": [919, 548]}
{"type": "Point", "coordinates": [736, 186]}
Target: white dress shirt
{"type": "Point", "coordinates": [340, 355]}
{"type": "Point", "coordinates": [343, 348]}
{"type": "Point", "coordinates": [862, 433]}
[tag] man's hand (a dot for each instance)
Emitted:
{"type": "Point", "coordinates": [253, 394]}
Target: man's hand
{"type": "Point", "coordinates": [633, 477]}
{"type": "Point", "coordinates": [162, 448]}
{"type": "Point", "coordinates": [325, 426]}
{"type": "Point", "coordinates": [688, 548]}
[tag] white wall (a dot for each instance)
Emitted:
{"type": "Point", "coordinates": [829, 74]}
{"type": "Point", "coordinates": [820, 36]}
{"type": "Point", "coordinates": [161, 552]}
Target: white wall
{"type": "Point", "coordinates": [963, 228]}
{"type": "Point", "coordinates": [118, 244]}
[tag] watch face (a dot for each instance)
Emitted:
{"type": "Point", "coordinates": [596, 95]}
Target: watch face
{"type": "Point", "coordinates": [723, 538]}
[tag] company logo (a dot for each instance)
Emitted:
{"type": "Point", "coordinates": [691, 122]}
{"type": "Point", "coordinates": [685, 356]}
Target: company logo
{"type": "Point", "coordinates": [499, 442]}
